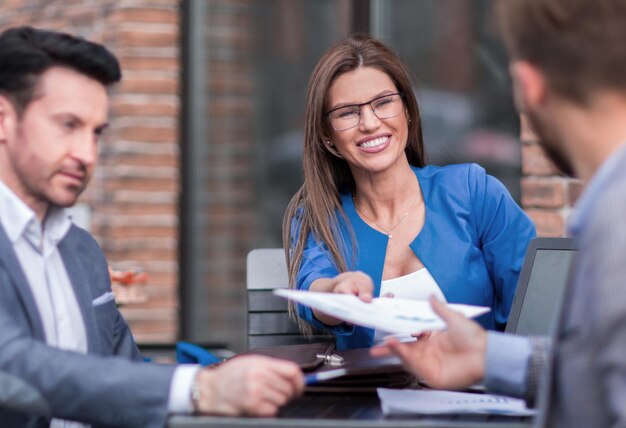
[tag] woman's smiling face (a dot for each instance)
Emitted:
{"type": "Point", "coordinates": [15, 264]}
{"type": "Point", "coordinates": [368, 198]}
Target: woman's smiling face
{"type": "Point", "coordinates": [374, 144]}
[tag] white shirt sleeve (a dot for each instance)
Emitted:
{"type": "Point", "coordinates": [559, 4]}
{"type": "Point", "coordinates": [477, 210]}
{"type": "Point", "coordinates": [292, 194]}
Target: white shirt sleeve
{"type": "Point", "coordinates": [506, 364]}
{"type": "Point", "coordinates": [180, 389]}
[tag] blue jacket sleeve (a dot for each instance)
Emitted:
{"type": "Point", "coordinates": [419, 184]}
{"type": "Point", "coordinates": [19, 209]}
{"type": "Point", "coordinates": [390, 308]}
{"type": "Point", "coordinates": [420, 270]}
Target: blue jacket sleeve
{"type": "Point", "coordinates": [504, 231]}
{"type": "Point", "coordinates": [316, 263]}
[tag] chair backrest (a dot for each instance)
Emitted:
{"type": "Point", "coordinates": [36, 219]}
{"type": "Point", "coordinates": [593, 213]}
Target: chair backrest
{"type": "Point", "coordinates": [269, 323]}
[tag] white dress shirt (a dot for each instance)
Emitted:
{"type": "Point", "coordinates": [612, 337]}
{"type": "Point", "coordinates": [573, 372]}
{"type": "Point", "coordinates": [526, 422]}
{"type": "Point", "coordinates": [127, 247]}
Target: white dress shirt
{"type": "Point", "coordinates": [35, 245]}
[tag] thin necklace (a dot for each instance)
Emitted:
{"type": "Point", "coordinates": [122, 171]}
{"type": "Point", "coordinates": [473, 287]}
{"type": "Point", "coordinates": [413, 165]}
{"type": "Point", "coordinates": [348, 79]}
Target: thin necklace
{"type": "Point", "coordinates": [385, 230]}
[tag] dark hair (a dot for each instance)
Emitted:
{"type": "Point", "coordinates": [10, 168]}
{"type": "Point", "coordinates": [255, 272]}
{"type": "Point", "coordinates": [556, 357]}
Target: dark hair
{"type": "Point", "coordinates": [578, 44]}
{"type": "Point", "coordinates": [26, 53]}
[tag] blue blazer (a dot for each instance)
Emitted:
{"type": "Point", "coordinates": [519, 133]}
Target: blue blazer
{"type": "Point", "coordinates": [110, 386]}
{"type": "Point", "coordinates": [473, 243]}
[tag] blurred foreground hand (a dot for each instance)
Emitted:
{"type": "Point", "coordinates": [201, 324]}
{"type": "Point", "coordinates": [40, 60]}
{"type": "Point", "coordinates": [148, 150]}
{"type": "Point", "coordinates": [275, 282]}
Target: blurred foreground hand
{"type": "Point", "coordinates": [451, 359]}
{"type": "Point", "coordinates": [248, 385]}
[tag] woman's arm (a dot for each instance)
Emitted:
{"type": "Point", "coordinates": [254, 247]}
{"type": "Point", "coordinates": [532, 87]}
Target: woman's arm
{"type": "Point", "coordinates": [504, 231]}
{"type": "Point", "coordinates": [318, 272]}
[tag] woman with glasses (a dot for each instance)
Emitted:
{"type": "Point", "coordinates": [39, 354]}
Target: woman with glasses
{"type": "Point", "coordinates": [372, 219]}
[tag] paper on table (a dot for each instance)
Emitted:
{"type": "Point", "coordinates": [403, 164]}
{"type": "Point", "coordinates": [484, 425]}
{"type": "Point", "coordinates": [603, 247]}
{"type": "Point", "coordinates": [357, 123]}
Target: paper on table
{"type": "Point", "coordinates": [431, 402]}
{"type": "Point", "coordinates": [391, 315]}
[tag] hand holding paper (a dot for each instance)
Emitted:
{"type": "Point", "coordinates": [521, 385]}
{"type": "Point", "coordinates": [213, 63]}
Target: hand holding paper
{"type": "Point", "coordinates": [395, 316]}
{"type": "Point", "coordinates": [452, 359]}
{"type": "Point", "coordinates": [355, 283]}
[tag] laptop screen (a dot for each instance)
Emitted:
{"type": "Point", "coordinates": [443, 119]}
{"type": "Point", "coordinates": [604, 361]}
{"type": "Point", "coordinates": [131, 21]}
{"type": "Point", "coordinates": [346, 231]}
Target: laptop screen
{"type": "Point", "coordinates": [541, 285]}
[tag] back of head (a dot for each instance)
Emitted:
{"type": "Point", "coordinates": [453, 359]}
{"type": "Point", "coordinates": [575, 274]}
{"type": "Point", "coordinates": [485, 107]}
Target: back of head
{"type": "Point", "coordinates": [578, 44]}
{"type": "Point", "coordinates": [26, 53]}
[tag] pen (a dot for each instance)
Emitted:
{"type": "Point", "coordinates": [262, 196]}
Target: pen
{"type": "Point", "coordinates": [314, 378]}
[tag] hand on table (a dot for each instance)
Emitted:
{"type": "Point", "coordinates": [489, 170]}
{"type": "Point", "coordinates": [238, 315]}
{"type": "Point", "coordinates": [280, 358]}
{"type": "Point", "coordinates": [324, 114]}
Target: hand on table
{"type": "Point", "coordinates": [248, 385]}
{"type": "Point", "coordinates": [450, 359]}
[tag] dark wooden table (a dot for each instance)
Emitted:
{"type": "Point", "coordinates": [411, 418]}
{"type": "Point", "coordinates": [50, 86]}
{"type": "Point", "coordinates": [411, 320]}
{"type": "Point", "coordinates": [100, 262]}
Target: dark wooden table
{"type": "Point", "coordinates": [347, 411]}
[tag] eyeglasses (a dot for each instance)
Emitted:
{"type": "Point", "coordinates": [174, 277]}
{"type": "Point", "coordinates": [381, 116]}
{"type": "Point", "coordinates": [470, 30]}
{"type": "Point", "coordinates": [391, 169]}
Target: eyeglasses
{"type": "Point", "coordinates": [384, 107]}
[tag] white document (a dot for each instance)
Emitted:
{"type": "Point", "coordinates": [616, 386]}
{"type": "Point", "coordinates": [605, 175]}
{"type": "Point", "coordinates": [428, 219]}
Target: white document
{"type": "Point", "coordinates": [391, 315]}
{"type": "Point", "coordinates": [435, 402]}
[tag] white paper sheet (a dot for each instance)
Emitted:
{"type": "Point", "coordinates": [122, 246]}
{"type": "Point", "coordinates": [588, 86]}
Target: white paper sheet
{"type": "Point", "coordinates": [395, 316]}
{"type": "Point", "coordinates": [435, 402]}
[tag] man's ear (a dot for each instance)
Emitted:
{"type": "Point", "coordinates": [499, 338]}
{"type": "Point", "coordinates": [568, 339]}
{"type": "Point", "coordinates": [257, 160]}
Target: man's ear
{"type": "Point", "coordinates": [529, 85]}
{"type": "Point", "coordinates": [7, 118]}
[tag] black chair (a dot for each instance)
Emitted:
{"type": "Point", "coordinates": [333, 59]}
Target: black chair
{"type": "Point", "coordinates": [269, 323]}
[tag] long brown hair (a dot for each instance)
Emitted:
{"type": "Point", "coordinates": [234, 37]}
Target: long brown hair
{"type": "Point", "coordinates": [316, 207]}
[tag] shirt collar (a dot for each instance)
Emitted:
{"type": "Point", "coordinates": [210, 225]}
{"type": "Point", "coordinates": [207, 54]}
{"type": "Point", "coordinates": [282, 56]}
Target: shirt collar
{"type": "Point", "coordinates": [15, 215]}
{"type": "Point", "coordinates": [18, 219]}
{"type": "Point", "coordinates": [587, 201]}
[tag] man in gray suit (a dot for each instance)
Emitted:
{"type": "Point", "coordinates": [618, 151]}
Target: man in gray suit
{"type": "Point", "coordinates": [66, 353]}
{"type": "Point", "coordinates": [568, 63]}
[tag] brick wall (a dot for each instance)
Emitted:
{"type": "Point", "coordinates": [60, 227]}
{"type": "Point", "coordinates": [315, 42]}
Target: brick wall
{"type": "Point", "coordinates": [228, 187]}
{"type": "Point", "coordinates": [547, 196]}
{"type": "Point", "coordinates": [133, 195]}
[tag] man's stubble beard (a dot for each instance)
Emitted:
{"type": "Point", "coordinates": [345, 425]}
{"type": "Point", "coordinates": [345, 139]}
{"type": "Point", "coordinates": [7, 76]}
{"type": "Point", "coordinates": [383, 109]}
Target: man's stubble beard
{"type": "Point", "coordinates": [550, 144]}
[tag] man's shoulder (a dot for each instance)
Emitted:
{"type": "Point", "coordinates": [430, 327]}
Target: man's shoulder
{"type": "Point", "coordinates": [610, 204]}
{"type": "Point", "coordinates": [77, 234]}
{"type": "Point", "coordinates": [616, 188]}
{"type": "Point", "coordinates": [80, 243]}
{"type": "Point", "coordinates": [603, 231]}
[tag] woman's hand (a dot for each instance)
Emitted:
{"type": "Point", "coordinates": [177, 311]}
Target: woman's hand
{"type": "Point", "coordinates": [356, 283]}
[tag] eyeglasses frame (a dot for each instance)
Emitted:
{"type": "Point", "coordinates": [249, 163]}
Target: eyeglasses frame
{"type": "Point", "coordinates": [360, 106]}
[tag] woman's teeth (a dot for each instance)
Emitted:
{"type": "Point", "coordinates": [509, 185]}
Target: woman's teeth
{"type": "Point", "coordinates": [374, 143]}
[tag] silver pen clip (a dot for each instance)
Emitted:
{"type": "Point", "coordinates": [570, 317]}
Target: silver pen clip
{"type": "Point", "coordinates": [331, 359]}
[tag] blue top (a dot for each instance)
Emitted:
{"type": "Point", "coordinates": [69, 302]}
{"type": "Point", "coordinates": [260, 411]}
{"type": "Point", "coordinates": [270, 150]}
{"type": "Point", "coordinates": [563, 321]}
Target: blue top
{"type": "Point", "coordinates": [473, 243]}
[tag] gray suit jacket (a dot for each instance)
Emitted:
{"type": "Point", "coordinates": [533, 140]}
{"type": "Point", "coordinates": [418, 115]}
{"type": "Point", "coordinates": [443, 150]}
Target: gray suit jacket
{"type": "Point", "coordinates": [586, 381]}
{"type": "Point", "coordinates": [110, 386]}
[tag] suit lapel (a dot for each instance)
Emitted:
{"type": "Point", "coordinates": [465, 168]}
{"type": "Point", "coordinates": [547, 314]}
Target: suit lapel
{"type": "Point", "coordinates": [76, 268]}
{"type": "Point", "coordinates": [8, 258]}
